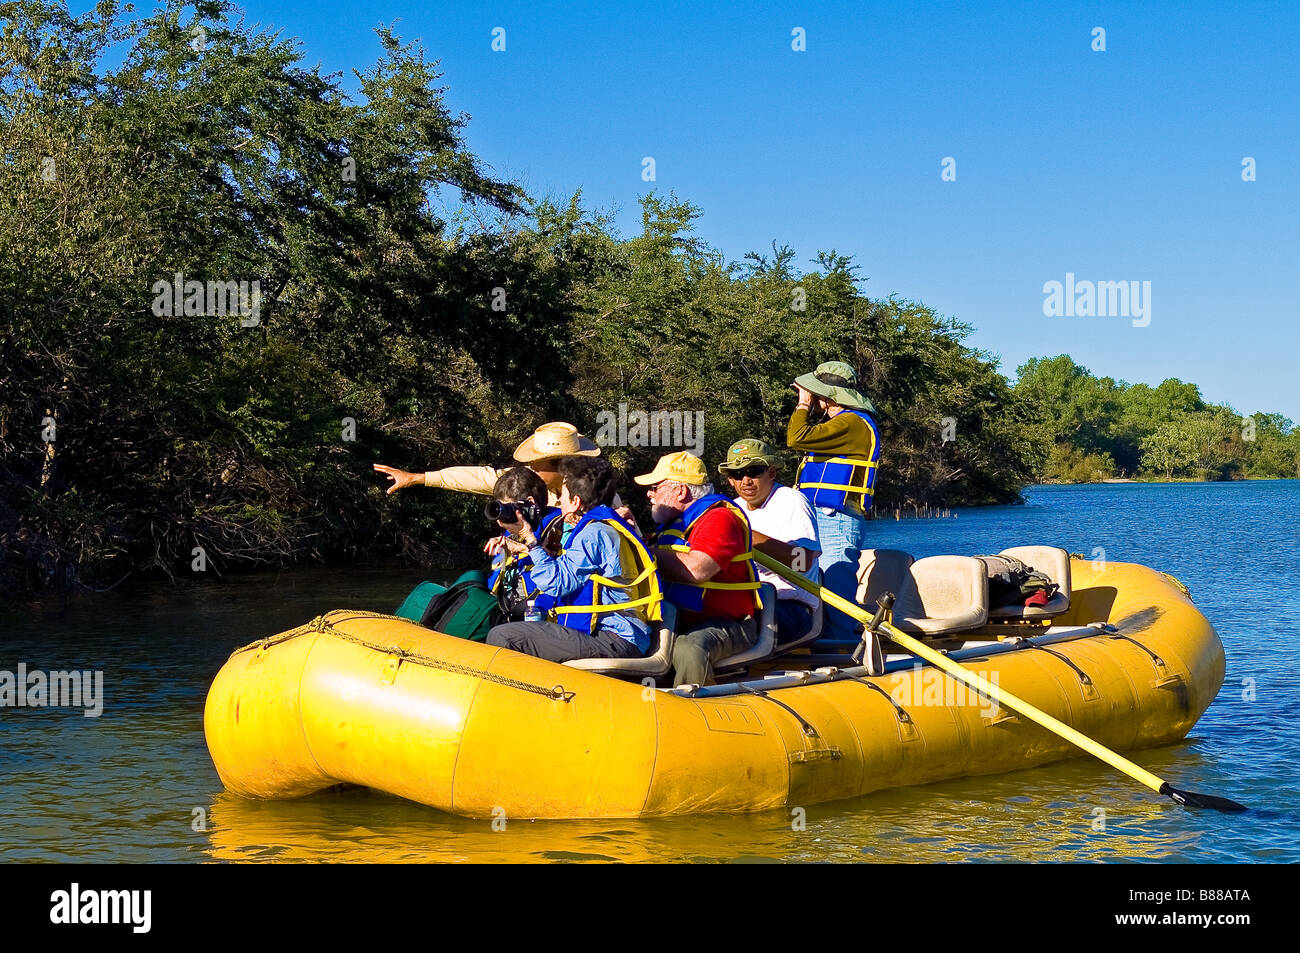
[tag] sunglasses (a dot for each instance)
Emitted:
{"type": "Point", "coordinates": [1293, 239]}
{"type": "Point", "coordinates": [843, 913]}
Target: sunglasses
{"type": "Point", "coordinates": [753, 471]}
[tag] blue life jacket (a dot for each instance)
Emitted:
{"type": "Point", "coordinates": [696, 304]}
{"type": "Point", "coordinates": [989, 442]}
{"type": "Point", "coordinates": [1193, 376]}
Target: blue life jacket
{"type": "Point", "coordinates": [676, 536]}
{"type": "Point", "coordinates": [504, 560]}
{"type": "Point", "coordinates": [582, 609]}
{"type": "Point", "coordinates": [841, 483]}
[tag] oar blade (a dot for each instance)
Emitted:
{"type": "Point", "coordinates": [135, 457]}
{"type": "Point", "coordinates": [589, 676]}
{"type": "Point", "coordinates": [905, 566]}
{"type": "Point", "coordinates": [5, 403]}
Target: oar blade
{"type": "Point", "coordinates": [1192, 799]}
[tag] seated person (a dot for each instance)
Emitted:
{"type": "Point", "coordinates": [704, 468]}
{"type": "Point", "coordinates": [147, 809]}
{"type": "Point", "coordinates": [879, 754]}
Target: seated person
{"type": "Point", "coordinates": [783, 527]}
{"type": "Point", "coordinates": [518, 488]}
{"type": "Point", "coordinates": [582, 588]}
{"type": "Point", "coordinates": [703, 554]}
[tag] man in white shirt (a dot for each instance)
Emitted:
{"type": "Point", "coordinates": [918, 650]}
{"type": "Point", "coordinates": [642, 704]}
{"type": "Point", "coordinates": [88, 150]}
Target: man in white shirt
{"type": "Point", "coordinates": [784, 528]}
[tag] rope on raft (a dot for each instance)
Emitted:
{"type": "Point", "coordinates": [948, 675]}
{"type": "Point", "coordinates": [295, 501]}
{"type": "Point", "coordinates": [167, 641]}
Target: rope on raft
{"type": "Point", "coordinates": [323, 624]}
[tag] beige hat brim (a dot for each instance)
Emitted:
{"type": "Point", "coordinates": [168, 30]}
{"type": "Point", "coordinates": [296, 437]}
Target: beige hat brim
{"type": "Point", "coordinates": [660, 474]}
{"type": "Point", "coordinates": [527, 451]}
{"type": "Point", "coordinates": [651, 478]}
{"type": "Point", "coordinates": [844, 396]}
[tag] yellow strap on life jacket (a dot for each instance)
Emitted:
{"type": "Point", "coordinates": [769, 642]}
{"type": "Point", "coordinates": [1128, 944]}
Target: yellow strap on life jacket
{"type": "Point", "coordinates": [648, 576]}
{"type": "Point", "coordinates": [850, 461]}
{"type": "Point", "coordinates": [679, 548]}
{"type": "Point", "coordinates": [509, 560]}
{"type": "Point", "coordinates": [710, 584]}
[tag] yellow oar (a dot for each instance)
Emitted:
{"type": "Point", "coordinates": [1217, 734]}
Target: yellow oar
{"type": "Point", "coordinates": [1000, 695]}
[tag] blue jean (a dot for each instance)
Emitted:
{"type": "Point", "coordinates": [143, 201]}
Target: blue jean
{"type": "Point", "coordinates": [843, 537]}
{"type": "Point", "coordinates": [793, 621]}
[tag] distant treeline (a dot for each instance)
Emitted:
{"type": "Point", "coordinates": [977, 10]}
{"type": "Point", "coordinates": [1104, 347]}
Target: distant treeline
{"type": "Point", "coordinates": [1100, 428]}
{"type": "Point", "coordinates": [227, 288]}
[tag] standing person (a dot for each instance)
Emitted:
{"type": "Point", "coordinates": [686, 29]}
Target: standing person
{"type": "Point", "coordinates": [837, 475]}
{"type": "Point", "coordinates": [703, 550]}
{"type": "Point", "coordinates": [783, 527]}
{"type": "Point", "coordinates": [600, 591]}
{"type": "Point", "coordinates": [541, 453]}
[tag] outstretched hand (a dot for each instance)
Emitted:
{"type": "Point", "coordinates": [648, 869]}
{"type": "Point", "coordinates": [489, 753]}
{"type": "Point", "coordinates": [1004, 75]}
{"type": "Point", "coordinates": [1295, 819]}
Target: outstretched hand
{"type": "Point", "coordinates": [401, 478]}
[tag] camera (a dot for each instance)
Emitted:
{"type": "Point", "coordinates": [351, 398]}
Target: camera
{"type": "Point", "coordinates": [496, 511]}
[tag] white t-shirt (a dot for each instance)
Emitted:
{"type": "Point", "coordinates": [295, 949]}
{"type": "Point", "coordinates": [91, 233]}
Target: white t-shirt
{"type": "Point", "coordinates": [787, 515]}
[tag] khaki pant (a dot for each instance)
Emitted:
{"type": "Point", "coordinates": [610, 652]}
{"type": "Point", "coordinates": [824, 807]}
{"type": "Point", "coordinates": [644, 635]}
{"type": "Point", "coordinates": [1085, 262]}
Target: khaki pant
{"type": "Point", "coordinates": [706, 642]}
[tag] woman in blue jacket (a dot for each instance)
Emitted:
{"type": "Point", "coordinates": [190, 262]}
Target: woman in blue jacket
{"type": "Point", "coordinates": [600, 594]}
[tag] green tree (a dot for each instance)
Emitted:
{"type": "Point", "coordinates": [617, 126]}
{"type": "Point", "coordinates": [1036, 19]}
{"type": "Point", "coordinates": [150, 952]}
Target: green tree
{"type": "Point", "coordinates": [1169, 449]}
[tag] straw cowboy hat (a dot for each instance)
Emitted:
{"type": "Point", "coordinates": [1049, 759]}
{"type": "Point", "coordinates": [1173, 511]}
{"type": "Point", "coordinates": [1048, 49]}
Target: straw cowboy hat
{"type": "Point", "coordinates": [837, 382]}
{"type": "Point", "coordinates": [553, 440]}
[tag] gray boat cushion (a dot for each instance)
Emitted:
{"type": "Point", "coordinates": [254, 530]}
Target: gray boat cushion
{"type": "Point", "coordinates": [942, 594]}
{"type": "Point", "coordinates": [765, 645]}
{"type": "Point", "coordinates": [656, 664]}
{"type": "Point", "coordinates": [1055, 564]}
{"type": "Point", "coordinates": [880, 571]}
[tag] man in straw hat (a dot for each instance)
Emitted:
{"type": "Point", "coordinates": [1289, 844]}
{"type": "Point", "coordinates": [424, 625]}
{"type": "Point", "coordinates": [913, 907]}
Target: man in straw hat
{"type": "Point", "coordinates": [702, 549]}
{"type": "Point", "coordinates": [837, 475]}
{"type": "Point", "coordinates": [547, 445]}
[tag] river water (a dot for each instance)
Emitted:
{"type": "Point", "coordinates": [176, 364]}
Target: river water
{"type": "Point", "coordinates": [136, 783]}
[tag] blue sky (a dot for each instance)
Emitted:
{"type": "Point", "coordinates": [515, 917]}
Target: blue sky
{"type": "Point", "coordinates": [1122, 165]}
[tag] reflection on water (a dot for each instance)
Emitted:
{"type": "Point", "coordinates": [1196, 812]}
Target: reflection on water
{"type": "Point", "coordinates": [1022, 820]}
{"type": "Point", "coordinates": [136, 784]}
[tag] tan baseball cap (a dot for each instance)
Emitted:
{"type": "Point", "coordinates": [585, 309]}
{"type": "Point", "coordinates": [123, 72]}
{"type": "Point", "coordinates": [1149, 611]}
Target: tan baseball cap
{"type": "Point", "coordinates": [554, 440]}
{"type": "Point", "coordinates": [680, 467]}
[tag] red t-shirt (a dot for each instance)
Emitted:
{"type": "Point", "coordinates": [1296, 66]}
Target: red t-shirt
{"type": "Point", "coordinates": [719, 534]}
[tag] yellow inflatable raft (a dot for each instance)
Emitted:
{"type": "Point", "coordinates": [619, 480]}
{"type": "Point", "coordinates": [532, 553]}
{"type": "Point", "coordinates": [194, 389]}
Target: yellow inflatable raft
{"type": "Point", "coordinates": [361, 698]}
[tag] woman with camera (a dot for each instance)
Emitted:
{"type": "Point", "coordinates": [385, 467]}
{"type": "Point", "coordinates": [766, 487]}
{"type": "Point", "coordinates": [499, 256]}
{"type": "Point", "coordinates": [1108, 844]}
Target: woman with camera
{"type": "Point", "coordinates": [600, 592]}
{"type": "Point", "coordinates": [518, 492]}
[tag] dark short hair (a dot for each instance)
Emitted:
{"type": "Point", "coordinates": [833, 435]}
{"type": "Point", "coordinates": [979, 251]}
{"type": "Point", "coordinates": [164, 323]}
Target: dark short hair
{"type": "Point", "coordinates": [591, 479]}
{"type": "Point", "coordinates": [519, 483]}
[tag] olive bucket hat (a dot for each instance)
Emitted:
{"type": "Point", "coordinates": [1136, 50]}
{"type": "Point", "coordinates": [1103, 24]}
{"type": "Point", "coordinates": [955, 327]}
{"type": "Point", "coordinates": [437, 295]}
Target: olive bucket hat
{"type": "Point", "coordinates": [745, 453]}
{"type": "Point", "coordinates": [838, 383]}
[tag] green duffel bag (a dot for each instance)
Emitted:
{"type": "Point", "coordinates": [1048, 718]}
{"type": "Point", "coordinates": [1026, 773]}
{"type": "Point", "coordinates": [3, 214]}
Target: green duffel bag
{"type": "Point", "coordinates": [466, 610]}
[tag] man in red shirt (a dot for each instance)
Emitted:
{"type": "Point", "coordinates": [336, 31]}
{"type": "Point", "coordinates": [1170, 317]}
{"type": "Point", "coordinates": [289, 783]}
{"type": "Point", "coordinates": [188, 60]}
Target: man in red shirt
{"type": "Point", "coordinates": [703, 552]}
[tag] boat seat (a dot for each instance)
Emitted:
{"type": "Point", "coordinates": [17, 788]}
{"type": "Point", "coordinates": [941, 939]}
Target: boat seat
{"type": "Point", "coordinates": [942, 594]}
{"type": "Point", "coordinates": [655, 664]}
{"type": "Point", "coordinates": [880, 571]}
{"type": "Point", "coordinates": [765, 645]}
{"type": "Point", "coordinates": [813, 634]}
{"type": "Point", "coordinates": [1055, 564]}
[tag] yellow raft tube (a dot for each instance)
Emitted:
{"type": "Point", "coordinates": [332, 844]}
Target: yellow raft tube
{"type": "Point", "coordinates": [360, 698]}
